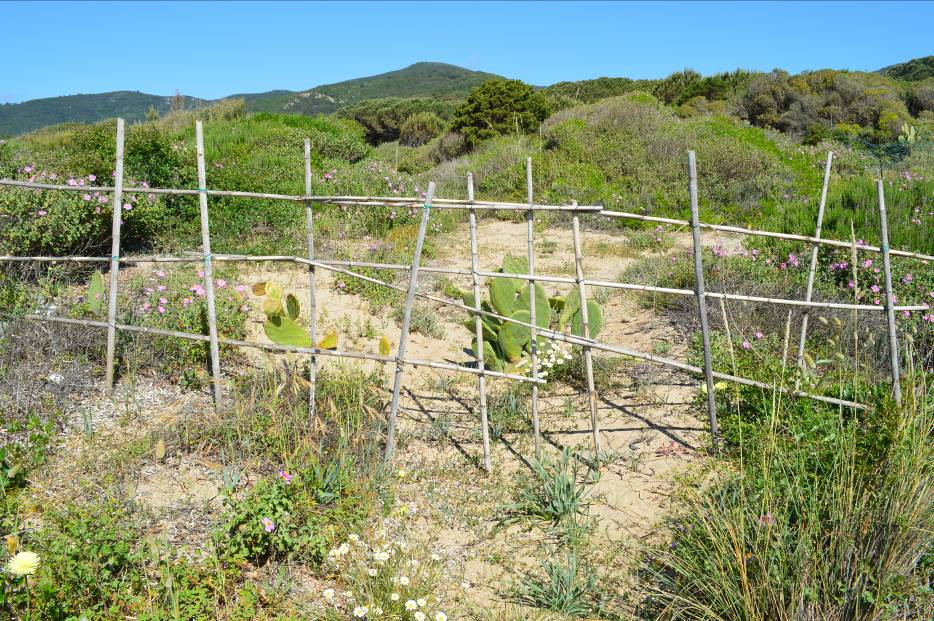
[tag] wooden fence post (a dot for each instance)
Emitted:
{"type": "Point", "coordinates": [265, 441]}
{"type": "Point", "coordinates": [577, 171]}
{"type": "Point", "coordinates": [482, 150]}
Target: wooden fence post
{"type": "Point", "coordinates": [481, 363]}
{"type": "Point", "coordinates": [533, 353]}
{"type": "Point", "coordinates": [702, 298]}
{"type": "Point", "coordinates": [585, 331]}
{"type": "Point", "coordinates": [889, 295]}
{"type": "Point", "coordinates": [406, 318]}
{"type": "Point", "coordinates": [208, 271]}
{"type": "Point", "coordinates": [811, 272]}
{"type": "Point", "coordinates": [313, 294]}
{"type": "Point", "coordinates": [115, 258]}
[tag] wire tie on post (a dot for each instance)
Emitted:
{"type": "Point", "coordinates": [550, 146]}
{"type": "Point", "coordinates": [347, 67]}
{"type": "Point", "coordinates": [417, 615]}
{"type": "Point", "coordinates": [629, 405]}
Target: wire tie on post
{"type": "Point", "coordinates": [207, 258]}
{"type": "Point", "coordinates": [426, 206]}
{"type": "Point", "coordinates": [202, 189]}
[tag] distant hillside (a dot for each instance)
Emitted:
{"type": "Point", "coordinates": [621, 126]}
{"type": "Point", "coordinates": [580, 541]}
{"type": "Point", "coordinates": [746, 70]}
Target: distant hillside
{"type": "Point", "coordinates": [436, 80]}
{"type": "Point", "coordinates": [131, 105]}
{"type": "Point", "coordinates": [913, 70]}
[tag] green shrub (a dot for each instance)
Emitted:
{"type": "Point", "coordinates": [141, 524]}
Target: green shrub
{"type": "Point", "coordinates": [383, 119]}
{"type": "Point", "coordinates": [43, 222]}
{"type": "Point", "coordinates": [499, 107]}
{"type": "Point", "coordinates": [303, 513]}
{"type": "Point", "coordinates": [419, 128]}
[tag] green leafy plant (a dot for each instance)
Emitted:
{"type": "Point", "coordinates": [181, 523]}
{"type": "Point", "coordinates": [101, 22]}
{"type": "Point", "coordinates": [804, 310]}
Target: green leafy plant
{"type": "Point", "coordinates": [562, 589]}
{"type": "Point", "coordinates": [557, 497]}
{"type": "Point", "coordinates": [507, 344]}
{"type": "Point", "coordinates": [281, 324]}
{"type": "Point", "coordinates": [96, 292]}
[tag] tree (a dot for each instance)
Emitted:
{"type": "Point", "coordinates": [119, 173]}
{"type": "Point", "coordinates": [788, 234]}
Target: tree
{"type": "Point", "coordinates": [499, 107]}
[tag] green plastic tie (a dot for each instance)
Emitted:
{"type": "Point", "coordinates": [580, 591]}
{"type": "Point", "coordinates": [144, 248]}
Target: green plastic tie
{"type": "Point", "coordinates": [426, 206]}
{"type": "Point", "coordinates": [115, 258]}
{"type": "Point", "coordinates": [885, 248]}
{"type": "Point", "coordinates": [207, 258]}
{"type": "Point", "coordinates": [202, 189]}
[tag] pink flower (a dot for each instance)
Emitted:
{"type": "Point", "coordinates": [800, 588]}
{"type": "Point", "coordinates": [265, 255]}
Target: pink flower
{"type": "Point", "coordinates": [186, 302]}
{"type": "Point", "coordinates": [81, 182]}
{"type": "Point", "coordinates": [328, 176]}
{"type": "Point", "coordinates": [42, 212]}
{"type": "Point", "coordinates": [867, 263]}
{"type": "Point", "coordinates": [906, 313]}
{"type": "Point", "coordinates": [162, 310]}
{"type": "Point", "coordinates": [86, 197]}
{"type": "Point", "coordinates": [161, 287]}
{"type": "Point", "coordinates": [875, 288]}
{"type": "Point", "coordinates": [92, 177]}
{"type": "Point", "coordinates": [148, 290]}
{"type": "Point", "coordinates": [876, 301]}
{"type": "Point", "coordinates": [29, 170]}
{"type": "Point", "coordinates": [747, 345]}
{"type": "Point", "coordinates": [268, 525]}
{"type": "Point", "coordinates": [221, 283]}
{"type": "Point", "coordinates": [793, 259]}
{"type": "Point", "coordinates": [285, 476]}
{"type": "Point", "coordinates": [103, 199]}
{"type": "Point", "coordinates": [198, 290]}
{"type": "Point", "coordinates": [908, 278]}
{"type": "Point", "coordinates": [759, 335]}
{"type": "Point", "coordinates": [127, 207]}
{"type": "Point", "coordinates": [766, 519]}
{"type": "Point", "coordinates": [163, 301]}
{"type": "Point", "coordinates": [200, 273]}
{"type": "Point", "coordinates": [72, 182]}
{"type": "Point", "coordinates": [146, 307]}
{"type": "Point", "coordinates": [161, 273]}
{"type": "Point", "coordinates": [240, 288]}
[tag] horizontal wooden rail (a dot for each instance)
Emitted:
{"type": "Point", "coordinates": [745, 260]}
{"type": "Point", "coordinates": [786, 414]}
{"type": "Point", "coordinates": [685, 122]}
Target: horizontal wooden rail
{"type": "Point", "coordinates": [358, 201]}
{"type": "Point", "coordinates": [416, 362]}
{"type": "Point", "coordinates": [329, 264]}
{"type": "Point", "coordinates": [744, 231]}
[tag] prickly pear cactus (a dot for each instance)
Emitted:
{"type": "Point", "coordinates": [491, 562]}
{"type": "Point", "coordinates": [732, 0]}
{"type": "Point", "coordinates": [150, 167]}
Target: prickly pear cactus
{"type": "Point", "coordinates": [96, 292]}
{"type": "Point", "coordinates": [506, 345]}
{"type": "Point", "coordinates": [282, 310]}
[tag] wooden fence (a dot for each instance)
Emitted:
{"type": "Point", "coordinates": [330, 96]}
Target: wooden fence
{"type": "Point", "coordinates": [472, 206]}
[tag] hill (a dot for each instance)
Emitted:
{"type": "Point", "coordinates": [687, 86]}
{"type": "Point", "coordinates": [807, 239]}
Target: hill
{"type": "Point", "coordinates": [911, 71]}
{"type": "Point", "coordinates": [131, 105]}
{"type": "Point", "coordinates": [435, 80]}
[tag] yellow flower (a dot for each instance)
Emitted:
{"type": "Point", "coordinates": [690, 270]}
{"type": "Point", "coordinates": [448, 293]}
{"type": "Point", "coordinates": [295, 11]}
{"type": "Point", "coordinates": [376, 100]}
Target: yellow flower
{"type": "Point", "coordinates": [23, 564]}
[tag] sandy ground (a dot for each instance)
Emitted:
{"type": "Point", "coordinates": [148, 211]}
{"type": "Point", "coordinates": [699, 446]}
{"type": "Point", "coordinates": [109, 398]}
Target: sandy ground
{"type": "Point", "coordinates": [651, 428]}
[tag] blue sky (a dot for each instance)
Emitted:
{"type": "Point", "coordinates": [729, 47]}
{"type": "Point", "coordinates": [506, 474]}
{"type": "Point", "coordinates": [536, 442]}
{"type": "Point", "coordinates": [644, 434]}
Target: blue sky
{"type": "Point", "coordinates": [214, 49]}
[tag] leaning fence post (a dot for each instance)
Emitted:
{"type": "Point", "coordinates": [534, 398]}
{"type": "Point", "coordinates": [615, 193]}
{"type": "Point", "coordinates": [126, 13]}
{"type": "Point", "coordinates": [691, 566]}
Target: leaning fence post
{"type": "Point", "coordinates": [406, 317]}
{"type": "Point", "coordinates": [478, 319]}
{"type": "Point", "coordinates": [889, 295]}
{"type": "Point", "coordinates": [585, 330]}
{"type": "Point", "coordinates": [115, 258]}
{"type": "Point", "coordinates": [533, 349]}
{"type": "Point", "coordinates": [313, 294]}
{"type": "Point", "coordinates": [702, 297]}
{"type": "Point", "coordinates": [208, 271]}
{"type": "Point", "coordinates": [813, 269]}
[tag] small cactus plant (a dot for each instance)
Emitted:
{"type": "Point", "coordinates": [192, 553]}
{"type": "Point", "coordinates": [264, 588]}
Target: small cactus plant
{"type": "Point", "coordinates": [281, 325]}
{"type": "Point", "coordinates": [507, 344]}
{"type": "Point", "coordinates": [96, 292]}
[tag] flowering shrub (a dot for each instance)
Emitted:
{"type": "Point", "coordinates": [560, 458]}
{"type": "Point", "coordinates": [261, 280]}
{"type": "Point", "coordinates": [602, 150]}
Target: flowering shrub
{"type": "Point", "coordinates": [300, 512]}
{"type": "Point", "coordinates": [388, 577]}
{"type": "Point", "coordinates": [61, 223]}
{"type": "Point", "coordinates": [176, 300]}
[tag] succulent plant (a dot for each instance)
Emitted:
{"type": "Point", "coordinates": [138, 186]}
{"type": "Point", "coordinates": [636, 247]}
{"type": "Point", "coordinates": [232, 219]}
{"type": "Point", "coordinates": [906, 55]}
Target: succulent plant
{"type": "Point", "coordinates": [507, 344]}
{"type": "Point", "coordinates": [281, 325]}
{"type": "Point", "coordinates": [96, 292]}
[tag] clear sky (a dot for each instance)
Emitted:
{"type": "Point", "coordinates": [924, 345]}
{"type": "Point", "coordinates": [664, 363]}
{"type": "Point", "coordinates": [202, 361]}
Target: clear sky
{"type": "Point", "coordinates": [213, 49]}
